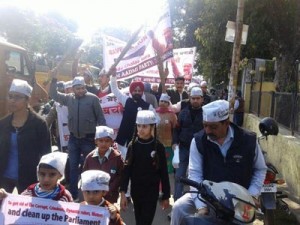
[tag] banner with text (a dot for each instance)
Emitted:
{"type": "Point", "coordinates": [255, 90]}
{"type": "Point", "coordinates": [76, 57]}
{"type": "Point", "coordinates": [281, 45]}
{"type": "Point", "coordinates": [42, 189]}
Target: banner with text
{"type": "Point", "coordinates": [142, 54]}
{"type": "Point", "coordinates": [18, 209]}
{"type": "Point", "coordinates": [182, 64]}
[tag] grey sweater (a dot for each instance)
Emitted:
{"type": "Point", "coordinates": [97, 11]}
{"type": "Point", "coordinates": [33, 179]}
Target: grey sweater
{"type": "Point", "coordinates": [85, 113]}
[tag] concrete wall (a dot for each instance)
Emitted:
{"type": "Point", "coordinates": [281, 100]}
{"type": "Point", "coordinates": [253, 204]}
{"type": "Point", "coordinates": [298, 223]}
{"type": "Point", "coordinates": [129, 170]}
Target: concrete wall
{"type": "Point", "coordinates": [283, 151]}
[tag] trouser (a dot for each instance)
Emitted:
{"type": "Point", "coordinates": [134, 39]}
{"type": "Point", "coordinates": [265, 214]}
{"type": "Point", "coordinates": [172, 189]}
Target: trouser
{"type": "Point", "coordinates": [144, 211]}
{"type": "Point", "coordinates": [181, 170]}
{"type": "Point", "coordinates": [77, 146]}
{"type": "Point", "coordinates": [182, 207]}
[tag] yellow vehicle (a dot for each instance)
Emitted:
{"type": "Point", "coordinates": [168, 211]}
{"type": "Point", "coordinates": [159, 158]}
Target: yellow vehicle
{"type": "Point", "coordinates": [15, 63]}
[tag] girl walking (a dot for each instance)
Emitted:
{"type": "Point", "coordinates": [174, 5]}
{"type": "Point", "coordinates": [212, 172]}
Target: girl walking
{"type": "Point", "coordinates": [146, 167]}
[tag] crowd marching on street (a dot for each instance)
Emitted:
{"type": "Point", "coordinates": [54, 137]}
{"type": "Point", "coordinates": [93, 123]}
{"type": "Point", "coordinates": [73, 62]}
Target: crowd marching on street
{"type": "Point", "coordinates": [183, 132]}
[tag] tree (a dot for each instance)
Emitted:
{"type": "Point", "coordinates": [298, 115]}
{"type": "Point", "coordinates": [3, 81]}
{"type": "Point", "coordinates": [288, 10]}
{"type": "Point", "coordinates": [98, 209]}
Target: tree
{"type": "Point", "coordinates": [46, 34]}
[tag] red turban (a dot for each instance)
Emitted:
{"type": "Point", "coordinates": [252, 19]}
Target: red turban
{"type": "Point", "coordinates": [136, 84]}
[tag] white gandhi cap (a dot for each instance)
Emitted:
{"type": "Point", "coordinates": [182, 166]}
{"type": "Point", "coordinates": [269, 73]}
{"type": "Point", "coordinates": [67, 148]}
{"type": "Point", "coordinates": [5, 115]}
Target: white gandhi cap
{"type": "Point", "coordinates": [78, 81]}
{"type": "Point", "coordinates": [216, 111]}
{"type": "Point", "coordinates": [146, 117]}
{"type": "Point", "coordinates": [104, 131]}
{"type": "Point", "coordinates": [20, 86]}
{"type": "Point", "coordinates": [57, 160]}
{"type": "Point", "coordinates": [196, 91]}
{"type": "Point", "coordinates": [93, 180]}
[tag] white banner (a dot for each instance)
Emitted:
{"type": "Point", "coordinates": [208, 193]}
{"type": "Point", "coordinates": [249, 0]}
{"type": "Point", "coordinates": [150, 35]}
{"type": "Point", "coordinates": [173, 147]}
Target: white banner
{"type": "Point", "coordinates": [18, 209]}
{"type": "Point", "coordinates": [113, 111]}
{"type": "Point", "coordinates": [62, 121]}
{"type": "Point", "coordinates": [182, 64]}
{"type": "Point", "coordinates": [142, 55]}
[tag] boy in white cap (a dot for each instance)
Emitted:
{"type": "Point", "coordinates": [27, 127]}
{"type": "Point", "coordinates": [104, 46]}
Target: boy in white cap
{"type": "Point", "coordinates": [107, 159]}
{"type": "Point", "coordinates": [94, 186]}
{"type": "Point", "coordinates": [49, 170]}
{"type": "Point", "coordinates": [146, 168]}
{"type": "Point", "coordinates": [222, 151]}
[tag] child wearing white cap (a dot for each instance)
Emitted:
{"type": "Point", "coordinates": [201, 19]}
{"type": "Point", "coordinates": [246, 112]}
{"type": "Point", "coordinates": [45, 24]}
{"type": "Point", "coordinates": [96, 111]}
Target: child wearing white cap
{"type": "Point", "coordinates": [49, 170]}
{"type": "Point", "coordinates": [94, 186]}
{"type": "Point", "coordinates": [168, 121]}
{"type": "Point", "coordinates": [146, 167]}
{"type": "Point", "coordinates": [107, 159]}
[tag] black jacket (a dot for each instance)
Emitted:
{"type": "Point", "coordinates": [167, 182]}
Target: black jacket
{"type": "Point", "coordinates": [237, 166]}
{"type": "Point", "coordinates": [33, 142]}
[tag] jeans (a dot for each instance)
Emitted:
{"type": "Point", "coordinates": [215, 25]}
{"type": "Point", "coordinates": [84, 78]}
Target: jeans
{"type": "Point", "coordinates": [77, 146]}
{"type": "Point", "coordinates": [182, 207]}
{"type": "Point", "coordinates": [181, 171]}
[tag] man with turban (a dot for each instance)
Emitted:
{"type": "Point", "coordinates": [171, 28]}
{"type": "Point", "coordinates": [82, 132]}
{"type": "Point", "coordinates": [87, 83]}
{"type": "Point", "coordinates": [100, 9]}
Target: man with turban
{"type": "Point", "coordinates": [131, 106]}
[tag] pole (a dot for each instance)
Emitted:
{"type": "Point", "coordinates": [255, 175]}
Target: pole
{"type": "Point", "coordinates": [236, 51]}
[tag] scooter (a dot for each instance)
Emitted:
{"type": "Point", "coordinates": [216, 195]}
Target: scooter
{"type": "Point", "coordinates": [228, 203]}
{"type": "Point", "coordinates": [270, 198]}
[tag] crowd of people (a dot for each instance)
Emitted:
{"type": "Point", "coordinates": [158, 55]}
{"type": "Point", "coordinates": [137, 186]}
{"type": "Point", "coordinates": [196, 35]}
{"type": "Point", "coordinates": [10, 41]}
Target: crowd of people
{"type": "Point", "coordinates": [184, 132]}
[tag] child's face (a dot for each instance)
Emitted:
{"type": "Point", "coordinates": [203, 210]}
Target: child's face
{"type": "Point", "coordinates": [93, 197]}
{"type": "Point", "coordinates": [103, 144]}
{"type": "Point", "coordinates": [144, 131]}
{"type": "Point", "coordinates": [48, 178]}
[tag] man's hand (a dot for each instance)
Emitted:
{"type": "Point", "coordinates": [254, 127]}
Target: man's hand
{"type": "Point", "coordinates": [123, 201]}
{"type": "Point", "coordinates": [202, 211]}
{"type": "Point", "coordinates": [112, 71]}
{"type": "Point", "coordinates": [53, 73]}
{"type": "Point", "coordinates": [165, 204]}
{"type": "Point", "coordinates": [3, 193]}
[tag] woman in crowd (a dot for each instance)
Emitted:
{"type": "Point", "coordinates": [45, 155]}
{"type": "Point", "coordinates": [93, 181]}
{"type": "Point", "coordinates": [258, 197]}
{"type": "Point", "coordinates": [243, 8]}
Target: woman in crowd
{"type": "Point", "coordinates": [24, 139]}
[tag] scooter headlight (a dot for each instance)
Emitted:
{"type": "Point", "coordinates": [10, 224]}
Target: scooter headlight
{"type": "Point", "coordinates": [243, 211]}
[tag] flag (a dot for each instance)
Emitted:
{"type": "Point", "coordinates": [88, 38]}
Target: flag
{"type": "Point", "coordinates": [142, 55]}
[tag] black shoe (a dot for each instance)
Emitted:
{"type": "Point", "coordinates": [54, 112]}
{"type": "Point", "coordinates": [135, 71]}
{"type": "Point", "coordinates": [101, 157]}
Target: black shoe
{"type": "Point", "coordinates": [169, 216]}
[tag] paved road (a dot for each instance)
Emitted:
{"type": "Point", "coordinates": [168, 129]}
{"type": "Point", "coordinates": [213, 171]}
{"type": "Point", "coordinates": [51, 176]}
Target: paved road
{"type": "Point", "coordinates": [160, 216]}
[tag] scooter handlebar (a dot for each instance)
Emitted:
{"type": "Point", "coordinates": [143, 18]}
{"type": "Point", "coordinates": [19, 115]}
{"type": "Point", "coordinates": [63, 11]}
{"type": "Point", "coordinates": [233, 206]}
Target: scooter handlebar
{"type": "Point", "coordinates": [191, 183]}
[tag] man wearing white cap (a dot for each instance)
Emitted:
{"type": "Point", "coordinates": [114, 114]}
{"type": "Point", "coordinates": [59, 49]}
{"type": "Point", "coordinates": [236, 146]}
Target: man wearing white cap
{"type": "Point", "coordinates": [221, 151]}
{"type": "Point", "coordinates": [24, 138]}
{"type": "Point", "coordinates": [85, 113]}
{"type": "Point", "coordinates": [206, 96]}
{"type": "Point", "coordinates": [189, 123]}
{"type": "Point", "coordinates": [107, 159]}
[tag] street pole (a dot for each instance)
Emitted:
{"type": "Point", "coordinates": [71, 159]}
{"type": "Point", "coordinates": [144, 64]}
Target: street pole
{"type": "Point", "coordinates": [236, 51]}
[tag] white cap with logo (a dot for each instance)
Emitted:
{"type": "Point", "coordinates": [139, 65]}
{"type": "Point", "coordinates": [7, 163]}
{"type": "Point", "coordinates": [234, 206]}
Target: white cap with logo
{"type": "Point", "coordinates": [78, 81]}
{"type": "Point", "coordinates": [196, 91]}
{"type": "Point", "coordinates": [95, 180]}
{"type": "Point", "coordinates": [146, 117]}
{"type": "Point", "coordinates": [21, 86]}
{"type": "Point", "coordinates": [216, 111]}
{"type": "Point", "coordinates": [104, 131]}
{"type": "Point", "coordinates": [57, 160]}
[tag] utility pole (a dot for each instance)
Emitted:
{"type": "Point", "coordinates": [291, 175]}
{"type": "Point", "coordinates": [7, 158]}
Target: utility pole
{"type": "Point", "coordinates": [236, 50]}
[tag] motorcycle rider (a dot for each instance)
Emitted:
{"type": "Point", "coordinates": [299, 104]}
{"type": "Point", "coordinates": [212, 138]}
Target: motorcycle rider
{"type": "Point", "coordinates": [221, 151]}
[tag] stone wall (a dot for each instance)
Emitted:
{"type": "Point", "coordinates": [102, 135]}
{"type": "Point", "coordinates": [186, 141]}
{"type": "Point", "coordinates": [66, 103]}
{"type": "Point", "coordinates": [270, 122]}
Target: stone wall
{"type": "Point", "coordinates": [283, 151]}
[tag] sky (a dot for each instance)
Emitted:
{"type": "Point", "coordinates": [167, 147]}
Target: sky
{"type": "Point", "coordinates": [93, 14]}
